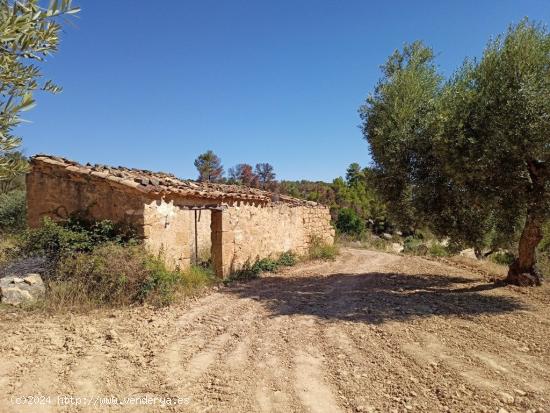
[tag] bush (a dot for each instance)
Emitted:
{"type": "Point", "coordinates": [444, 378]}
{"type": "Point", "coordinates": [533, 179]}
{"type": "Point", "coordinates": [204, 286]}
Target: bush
{"type": "Point", "coordinates": [114, 274]}
{"type": "Point", "coordinates": [266, 265]}
{"type": "Point", "coordinates": [502, 258]}
{"type": "Point", "coordinates": [376, 243]}
{"type": "Point", "coordinates": [251, 271]}
{"type": "Point", "coordinates": [55, 240]}
{"type": "Point", "coordinates": [323, 251]}
{"type": "Point", "coordinates": [348, 222]}
{"type": "Point", "coordinates": [247, 272]}
{"type": "Point", "coordinates": [12, 211]}
{"type": "Point", "coordinates": [287, 259]}
{"type": "Point", "coordinates": [411, 243]}
{"type": "Point", "coordinates": [438, 250]}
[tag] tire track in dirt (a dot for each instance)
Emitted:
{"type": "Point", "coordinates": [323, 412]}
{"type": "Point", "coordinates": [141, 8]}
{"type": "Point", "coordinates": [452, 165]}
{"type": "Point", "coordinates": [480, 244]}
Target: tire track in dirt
{"type": "Point", "coordinates": [312, 383]}
{"type": "Point", "coordinates": [367, 332]}
{"type": "Point", "coordinates": [272, 362]}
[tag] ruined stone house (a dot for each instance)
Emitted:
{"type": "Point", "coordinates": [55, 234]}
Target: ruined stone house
{"type": "Point", "coordinates": [180, 220]}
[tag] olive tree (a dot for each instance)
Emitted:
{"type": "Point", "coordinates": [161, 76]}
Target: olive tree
{"type": "Point", "coordinates": [503, 138]}
{"type": "Point", "coordinates": [470, 156]}
{"type": "Point", "coordinates": [28, 34]}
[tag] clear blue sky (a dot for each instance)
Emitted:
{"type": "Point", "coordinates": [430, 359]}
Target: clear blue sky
{"type": "Point", "coordinates": [153, 84]}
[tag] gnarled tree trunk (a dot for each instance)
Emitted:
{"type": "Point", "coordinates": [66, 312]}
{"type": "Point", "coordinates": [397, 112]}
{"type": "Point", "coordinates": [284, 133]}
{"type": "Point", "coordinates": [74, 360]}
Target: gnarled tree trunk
{"type": "Point", "coordinates": [523, 270]}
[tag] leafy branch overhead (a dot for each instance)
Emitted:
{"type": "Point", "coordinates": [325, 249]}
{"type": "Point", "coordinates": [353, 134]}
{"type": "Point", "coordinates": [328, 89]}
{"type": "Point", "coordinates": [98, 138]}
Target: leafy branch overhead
{"type": "Point", "coordinates": [28, 34]}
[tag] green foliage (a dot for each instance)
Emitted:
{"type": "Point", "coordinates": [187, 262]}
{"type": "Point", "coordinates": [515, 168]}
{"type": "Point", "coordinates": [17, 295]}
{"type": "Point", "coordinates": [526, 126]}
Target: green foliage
{"type": "Point", "coordinates": [287, 259]}
{"type": "Point", "coordinates": [438, 250]}
{"type": "Point", "coordinates": [12, 211]}
{"type": "Point", "coordinates": [55, 240]}
{"type": "Point", "coordinates": [251, 271]}
{"type": "Point", "coordinates": [468, 158]}
{"type": "Point", "coordinates": [115, 274]}
{"type": "Point", "coordinates": [28, 34]}
{"type": "Point", "coordinates": [15, 180]}
{"type": "Point", "coordinates": [357, 193]}
{"type": "Point", "coordinates": [348, 222]}
{"type": "Point", "coordinates": [209, 166]}
{"type": "Point", "coordinates": [502, 258]}
{"type": "Point", "coordinates": [247, 272]}
{"type": "Point", "coordinates": [319, 250]}
{"type": "Point", "coordinates": [267, 265]}
{"type": "Point", "coordinates": [411, 244]}
{"type": "Point", "coordinates": [396, 120]}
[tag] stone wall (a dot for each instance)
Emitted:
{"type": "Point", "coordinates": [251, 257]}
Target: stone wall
{"type": "Point", "coordinates": [167, 228]}
{"type": "Point", "coordinates": [57, 193]}
{"type": "Point", "coordinates": [240, 234]}
{"type": "Point", "coordinates": [247, 233]}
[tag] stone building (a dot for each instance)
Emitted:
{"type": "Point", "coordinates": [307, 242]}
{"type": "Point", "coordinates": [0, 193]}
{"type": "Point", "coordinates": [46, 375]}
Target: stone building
{"type": "Point", "coordinates": [181, 221]}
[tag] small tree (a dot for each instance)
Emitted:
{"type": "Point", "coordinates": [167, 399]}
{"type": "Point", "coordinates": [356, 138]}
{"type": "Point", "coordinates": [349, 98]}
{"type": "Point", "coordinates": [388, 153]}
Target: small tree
{"type": "Point", "coordinates": [348, 222]}
{"type": "Point", "coordinates": [209, 166]}
{"type": "Point", "coordinates": [354, 173]}
{"type": "Point", "coordinates": [28, 34]}
{"type": "Point", "coordinates": [265, 174]}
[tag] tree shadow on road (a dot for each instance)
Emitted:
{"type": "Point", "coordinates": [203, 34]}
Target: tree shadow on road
{"type": "Point", "coordinates": [376, 297]}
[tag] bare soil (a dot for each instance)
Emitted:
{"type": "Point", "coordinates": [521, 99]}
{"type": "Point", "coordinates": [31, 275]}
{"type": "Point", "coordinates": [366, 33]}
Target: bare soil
{"type": "Point", "coordinates": [368, 332]}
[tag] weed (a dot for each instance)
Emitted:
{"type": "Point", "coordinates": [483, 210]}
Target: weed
{"type": "Point", "coordinates": [502, 257]}
{"type": "Point", "coordinates": [287, 259]}
{"type": "Point", "coordinates": [438, 250]}
{"type": "Point", "coordinates": [321, 250]}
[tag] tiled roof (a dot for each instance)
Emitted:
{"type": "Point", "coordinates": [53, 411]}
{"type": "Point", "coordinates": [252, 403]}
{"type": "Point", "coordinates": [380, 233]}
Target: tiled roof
{"type": "Point", "coordinates": [160, 183]}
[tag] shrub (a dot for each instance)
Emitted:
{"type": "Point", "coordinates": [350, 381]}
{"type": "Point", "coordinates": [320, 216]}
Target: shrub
{"type": "Point", "coordinates": [195, 278]}
{"type": "Point", "coordinates": [12, 211]}
{"type": "Point", "coordinates": [267, 265]}
{"type": "Point", "coordinates": [55, 240]}
{"type": "Point", "coordinates": [251, 271]}
{"type": "Point", "coordinates": [322, 250]}
{"type": "Point", "coordinates": [247, 272]}
{"type": "Point", "coordinates": [411, 243]}
{"type": "Point", "coordinates": [438, 250]}
{"type": "Point", "coordinates": [502, 258]}
{"type": "Point", "coordinates": [375, 242]}
{"type": "Point", "coordinates": [115, 274]}
{"type": "Point", "coordinates": [109, 274]}
{"type": "Point", "coordinates": [348, 222]}
{"type": "Point", "coordinates": [287, 259]}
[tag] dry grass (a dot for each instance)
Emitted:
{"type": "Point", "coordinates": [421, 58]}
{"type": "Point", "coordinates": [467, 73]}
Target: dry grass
{"type": "Point", "coordinates": [487, 267]}
{"type": "Point", "coordinates": [320, 250]}
{"type": "Point", "coordinates": [7, 243]}
{"type": "Point", "coordinates": [113, 275]}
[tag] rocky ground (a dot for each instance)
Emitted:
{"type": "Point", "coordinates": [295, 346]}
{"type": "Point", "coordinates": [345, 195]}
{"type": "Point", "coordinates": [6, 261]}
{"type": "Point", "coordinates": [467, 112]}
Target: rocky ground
{"type": "Point", "coordinates": [368, 332]}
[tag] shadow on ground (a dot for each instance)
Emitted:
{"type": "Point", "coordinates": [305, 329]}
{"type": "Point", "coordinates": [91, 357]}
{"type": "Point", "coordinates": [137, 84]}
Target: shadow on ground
{"type": "Point", "coordinates": [376, 297]}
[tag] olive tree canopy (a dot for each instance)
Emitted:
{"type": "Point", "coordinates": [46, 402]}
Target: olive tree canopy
{"type": "Point", "coordinates": [469, 157]}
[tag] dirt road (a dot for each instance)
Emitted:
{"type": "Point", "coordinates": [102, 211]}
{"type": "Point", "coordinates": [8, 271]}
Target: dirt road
{"type": "Point", "coordinates": [367, 332]}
